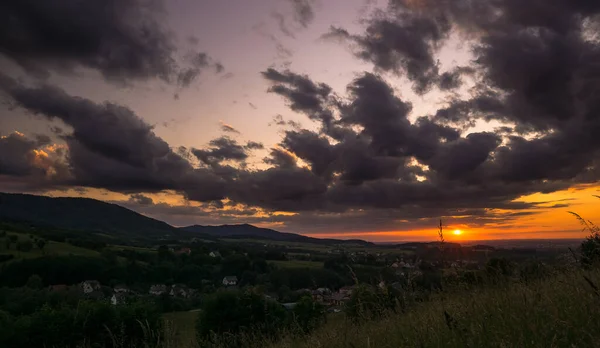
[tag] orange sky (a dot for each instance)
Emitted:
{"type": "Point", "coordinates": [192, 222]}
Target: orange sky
{"type": "Point", "coordinates": [551, 223]}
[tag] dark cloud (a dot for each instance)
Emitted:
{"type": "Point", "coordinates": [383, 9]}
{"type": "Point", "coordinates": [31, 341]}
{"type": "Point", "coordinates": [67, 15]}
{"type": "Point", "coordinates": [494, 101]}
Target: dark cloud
{"type": "Point", "coordinates": [16, 155]}
{"type": "Point", "coordinates": [123, 40]}
{"type": "Point", "coordinates": [253, 145]}
{"type": "Point", "coordinates": [111, 147]}
{"type": "Point", "coordinates": [306, 96]}
{"type": "Point", "coordinates": [198, 62]}
{"type": "Point", "coordinates": [403, 42]}
{"type": "Point", "coordinates": [304, 12]}
{"type": "Point", "coordinates": [221, 149]}
{"type": "Point", "coordinates": [368, 159]}
{"type": "Point", "coordinates": [279, 188]}
{"type": "Point", "coordinates": [141, 199]}
{"type": "Point", "coordinates": [30, 164]}
{"type": "Point", "coordinates": [42, 139]}
{"type": "Point", "coordinates": [454, 79]}
{"type": "Point", "coordinates": [281, 158]}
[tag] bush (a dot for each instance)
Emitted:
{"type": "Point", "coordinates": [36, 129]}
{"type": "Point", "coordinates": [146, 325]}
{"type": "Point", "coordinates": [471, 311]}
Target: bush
{"type": "Point", "coordinates": [235, 315]}
{"type": "Point", "coordinates": [308, 314]}
{"type": "Point", "coordinates": [368, 303]}
{"type": "Point", "coordinates": [97, 322]}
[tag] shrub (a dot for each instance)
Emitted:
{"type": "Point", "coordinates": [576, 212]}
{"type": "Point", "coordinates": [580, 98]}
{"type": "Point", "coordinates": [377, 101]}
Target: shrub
{"type": "Point", "coordinates": [232, 315]}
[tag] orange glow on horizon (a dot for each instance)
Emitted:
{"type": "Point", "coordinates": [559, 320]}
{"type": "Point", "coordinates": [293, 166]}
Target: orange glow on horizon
{"type": "Point", "coordinates": [550, 221]}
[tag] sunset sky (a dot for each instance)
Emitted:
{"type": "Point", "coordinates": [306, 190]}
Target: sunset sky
{"type": "Point", "coordinates": [333, 118]}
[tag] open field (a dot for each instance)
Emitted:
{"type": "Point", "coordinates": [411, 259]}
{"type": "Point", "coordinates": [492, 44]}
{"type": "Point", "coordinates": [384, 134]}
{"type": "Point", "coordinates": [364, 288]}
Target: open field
{"type": "Point", "coordinates": [51, 248]}
{"type": "Point", "coordinates": [295, 245]}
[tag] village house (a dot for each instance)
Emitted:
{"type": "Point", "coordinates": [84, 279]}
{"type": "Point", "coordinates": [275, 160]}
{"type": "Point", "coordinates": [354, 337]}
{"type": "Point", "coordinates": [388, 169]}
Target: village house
{"type": "Point", "coordinates": [230, 281]}
{"type": "Point", "coordinates": [119, 298]}
{"type": "Point", "coordinates": [90, 286]}
{"type": "Point", "coordinates": [158, 289]}
{"type": "Point", "coordinates": [121, 289]}
{"type": "Point", "coordinates": [186, 251]}
{"type": "Point", "coordinates": [338, 299]}
{"type": "Point", "coordinates": [214, 254]}
{"type": "Point", "coordinates": [346, 290]}
{"type": "Point", "coordinates": [58, 287]}
{"type": "Point", "coordinates": [179, 290]}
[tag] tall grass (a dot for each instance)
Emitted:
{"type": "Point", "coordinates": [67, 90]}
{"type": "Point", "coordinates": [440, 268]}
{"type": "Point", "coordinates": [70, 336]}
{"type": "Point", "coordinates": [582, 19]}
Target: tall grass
{"type": "Point", "coordinates": [561, 311]}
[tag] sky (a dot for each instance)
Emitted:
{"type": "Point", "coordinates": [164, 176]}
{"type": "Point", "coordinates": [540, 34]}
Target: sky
{"type": "Point", "coordinates": [331, 118]}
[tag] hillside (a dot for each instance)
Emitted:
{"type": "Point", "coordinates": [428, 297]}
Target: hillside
{"type": "Point", "coordinates": [82, 214]}
{"type": "Point", "coordinates": [553, 312]}
{"type": "Point", "coordinates": [249, 231]}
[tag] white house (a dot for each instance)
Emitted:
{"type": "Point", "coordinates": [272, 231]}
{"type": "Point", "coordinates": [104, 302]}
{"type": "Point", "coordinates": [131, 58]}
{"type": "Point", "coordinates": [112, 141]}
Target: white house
{"type": "Point", "coordinates": [215, 254]}
{"type": "Point", "coordinates": [230, 281]}
{"type": "Point", "coordinates": [158, 289]}
{"type": "Point", "coordinates": [119, 298]}
{"type": "Point", "coordinates": [90, 286]}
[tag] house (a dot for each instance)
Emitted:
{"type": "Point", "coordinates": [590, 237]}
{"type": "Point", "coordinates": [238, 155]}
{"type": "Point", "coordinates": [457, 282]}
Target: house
{"type": "Point", "coordinates": [346, 290]}
{"type": "Point", "coordinates": [121, 289]}
{"type": "Point", "coordinates": [230, 281]}
{"type": "Point", "coordinates": [320, 293]}
{"type": "Point", "coordinates": [119, 298]}
{"type": "Point", "coordinates": [215, 254]}
{"type": "Point", "coordinates": [58, 287]}
{"type": "Point", "coordinates": [179, 290]}
{"type": "Point", "coordinates": [158, 289]}
{"type": "Point", "coordinates": [90, 286]}
{"type": "Point", "coordinates": [338, 299]}
{"type": "Point", "coordinates": [186, 251]}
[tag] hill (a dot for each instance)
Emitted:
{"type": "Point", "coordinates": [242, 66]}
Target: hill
{"type": "Point", "coordinates": [81, 214]}
{"type": "Point", "coordinates": [253, 232]}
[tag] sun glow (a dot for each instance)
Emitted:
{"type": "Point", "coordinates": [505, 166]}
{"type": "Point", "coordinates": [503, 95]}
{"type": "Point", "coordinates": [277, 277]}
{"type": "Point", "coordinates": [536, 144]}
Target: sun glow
{"type": "Point", "coordinates": [457, 232]}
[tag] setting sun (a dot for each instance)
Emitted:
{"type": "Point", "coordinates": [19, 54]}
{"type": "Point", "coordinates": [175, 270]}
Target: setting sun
{"type": "Point", "coordinates": [457, 232]}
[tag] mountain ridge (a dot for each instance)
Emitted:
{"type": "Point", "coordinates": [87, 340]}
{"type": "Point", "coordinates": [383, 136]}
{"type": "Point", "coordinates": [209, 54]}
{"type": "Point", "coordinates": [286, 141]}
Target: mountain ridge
{"type": "Point", "coordinates": [248, 230]}
{"type": "Point", "coordinates": [96, 216]}
{"type": "Point", "coordinates": [83, 214]}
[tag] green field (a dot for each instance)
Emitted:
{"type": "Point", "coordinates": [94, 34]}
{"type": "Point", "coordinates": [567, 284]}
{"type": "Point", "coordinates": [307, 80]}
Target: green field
{"type": "Point", "coordinates": [297, 264]}
{"type": "Point", "coordinates": [51, 248]}
{"type": "Point", "coordinates": [295, 245]}
{"type": "Point", "coordinates": [132, 248]}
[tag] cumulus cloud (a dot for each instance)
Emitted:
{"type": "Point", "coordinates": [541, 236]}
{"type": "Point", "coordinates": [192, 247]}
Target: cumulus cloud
{"type": "Point", "coordinates": [110, 146]}
{"type": "Point", "coordinates": [121, 39]}
{"type": "Point", "coordinates": [221, 149]}
{"type": "Point", "coordinates": [141, 199]}
{"type": "Point", "coordinates": [16, 154]}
